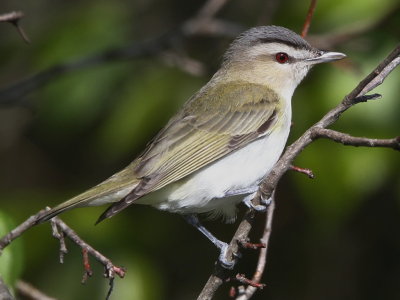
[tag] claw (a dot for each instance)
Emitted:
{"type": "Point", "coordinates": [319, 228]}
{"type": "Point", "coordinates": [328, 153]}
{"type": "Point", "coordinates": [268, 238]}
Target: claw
{"type": "Point", "coordinates": [225, 263]}
{"type": "Point", "coordinates": [237, 255]}
{"type": "Point", "coordinates": [267, 201]}
{"type": "Point", "coordinates": [260, 207]}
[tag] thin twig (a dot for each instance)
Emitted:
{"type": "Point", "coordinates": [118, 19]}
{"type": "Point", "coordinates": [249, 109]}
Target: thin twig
{"type": "Point", "coordinates": [262, 258]}
{"type": "Point", "coordinates": [349, 140]}
{"type": "Point", "coordinates": [242, 279]}
{"type": "Point", "coordinates": [60, 229]}
{"type": "Point", "coordinates": [307, 172]}
{"type": "Point", "coordinates": [11, 16]}
{"type": "Point", "coordinates": [86, 265]}
{"type": "Point", "coordinates": [380, 76]}
{"type": "Point", "coordinates": [60, 236]}
{"type": "Point", "coordinates": [254, 246]}
{"type": "Point", "coordinates": [110, 268]}
{"type": "Point", "coordinates": [30, 292]}
{"type": "Point", "coordinates": [5, 293]}
{"type": "Point", "coordinates": [307, 22]}
{"type": "Point", "coordinates": [111, 288]}
{"type": "Point", "coordinates": [20, 229]}
{"type": "Point", "coordinates": [203, 15]}
{"type": "Point", "coordinates": [21, 32]}
{"type": "Point", "coordinates": [211, 8]}
{"type": "Point", "coordinates": [185, 63]}
{"type": "Point", "coordinates": [14, 17]}
{"type": "Point", "coordinates": [381, 72]}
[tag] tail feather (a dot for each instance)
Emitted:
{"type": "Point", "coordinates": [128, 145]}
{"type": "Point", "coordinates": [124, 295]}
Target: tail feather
{"type": "Point", "coordinates": [117, 207]}
{"type": "Point", "coordinates": [78, 201]}
{"type": "Point", "coordinates": [109, 191]}
{"type": "Point", "coordinates": [72, 203]}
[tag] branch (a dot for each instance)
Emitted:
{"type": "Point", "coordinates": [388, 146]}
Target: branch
{"type": "Point", "coordinates": [220, 274]}
{"type": "Point", "coordinates": [307, 172]}
{"type": "Point", "coordinates": [204, 21]}
{"type": "Point", "coordinates": [185, 63]}
{"type": "Point", "coordinates": [30, 292]}
{"type": "Point", "coordinates": [271, 180]}
{"type": "Point", "coordinates": [349, 140]}
{"type": "Point", "coordinates": [14, 17]}
{"type": "Point", "coordinates": [4, 291]}
{"type": "Point", "coordinates": [262, 258]}
{"type": "Point", "coordinates": [307, 22]}
{"type": "Point", "coordinates": [242, 279]}
{"type": "Point", "coordinates": [19, 230]}
{"type": "Point", "coordinates": [110, 270]}
{"type": "Point", "coordinates": [380, 75]}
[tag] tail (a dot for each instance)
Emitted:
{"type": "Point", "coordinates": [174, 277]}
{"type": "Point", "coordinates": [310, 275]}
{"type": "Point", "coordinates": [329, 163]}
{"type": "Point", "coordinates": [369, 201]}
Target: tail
{"type": "Point", "coordinates": [112, 190]}
{"type": "Point", "coordinates": [78, 201]}
{"type": "Point", "coordinates": [118, 206]}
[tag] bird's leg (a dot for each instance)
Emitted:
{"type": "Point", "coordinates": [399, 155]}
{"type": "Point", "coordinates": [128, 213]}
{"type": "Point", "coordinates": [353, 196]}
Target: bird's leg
{"type": "Point", "coordinates": [260, 207]}
{"type": "Point", "coordinates": [222, 246]}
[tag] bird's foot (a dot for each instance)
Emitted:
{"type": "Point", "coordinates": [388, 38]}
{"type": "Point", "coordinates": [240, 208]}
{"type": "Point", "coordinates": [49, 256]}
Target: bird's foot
{"type": "Point", "coordinates": [222, 258]}
{"type": "Point", "coordinates": [260, 207]}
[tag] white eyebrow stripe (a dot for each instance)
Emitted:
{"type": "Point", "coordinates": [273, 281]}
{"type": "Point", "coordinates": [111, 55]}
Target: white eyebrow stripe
{"type": "Point", "coordinates": [274, 48]}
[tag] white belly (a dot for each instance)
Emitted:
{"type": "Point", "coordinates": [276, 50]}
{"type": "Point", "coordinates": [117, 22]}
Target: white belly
{"type": "Point", "coordinates": [235, 174]}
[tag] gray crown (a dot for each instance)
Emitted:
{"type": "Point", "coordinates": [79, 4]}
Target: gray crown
{"type": "Point", "coordinates": [266, 34]}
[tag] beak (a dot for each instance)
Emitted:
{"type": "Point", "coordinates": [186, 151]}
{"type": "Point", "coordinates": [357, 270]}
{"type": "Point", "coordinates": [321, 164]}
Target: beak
{"type": "Point", "coordinates": [325, 56]}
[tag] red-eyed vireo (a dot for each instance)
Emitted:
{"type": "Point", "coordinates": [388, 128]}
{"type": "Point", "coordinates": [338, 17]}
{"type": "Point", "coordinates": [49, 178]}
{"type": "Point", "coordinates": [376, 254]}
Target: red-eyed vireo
{"type": "Point", "coordinates": [228, 135]}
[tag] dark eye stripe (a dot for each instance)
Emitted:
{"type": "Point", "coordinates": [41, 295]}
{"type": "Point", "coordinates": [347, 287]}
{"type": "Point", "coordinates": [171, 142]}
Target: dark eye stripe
{"type": "Point", "coordinates": [285, 42]}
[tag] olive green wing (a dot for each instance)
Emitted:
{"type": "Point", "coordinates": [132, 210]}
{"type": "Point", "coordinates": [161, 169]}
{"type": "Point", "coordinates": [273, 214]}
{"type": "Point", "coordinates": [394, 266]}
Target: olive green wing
{"type": "Point", "coordinates": [216, 121]}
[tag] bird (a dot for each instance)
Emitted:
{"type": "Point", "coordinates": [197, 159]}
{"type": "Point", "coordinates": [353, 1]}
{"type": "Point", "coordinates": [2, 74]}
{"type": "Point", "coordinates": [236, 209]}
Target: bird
{"type": "Point", "coordinates": [214, 152]}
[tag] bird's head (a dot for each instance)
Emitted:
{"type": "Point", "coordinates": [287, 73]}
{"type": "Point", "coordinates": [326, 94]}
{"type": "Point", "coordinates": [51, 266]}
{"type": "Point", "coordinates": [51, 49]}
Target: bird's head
{"type": "Point", "coordinates": [275, 56]}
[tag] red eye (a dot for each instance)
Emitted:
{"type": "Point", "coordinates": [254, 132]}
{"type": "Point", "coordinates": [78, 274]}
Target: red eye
{"type": "Point", "coordinates": [281, 57]}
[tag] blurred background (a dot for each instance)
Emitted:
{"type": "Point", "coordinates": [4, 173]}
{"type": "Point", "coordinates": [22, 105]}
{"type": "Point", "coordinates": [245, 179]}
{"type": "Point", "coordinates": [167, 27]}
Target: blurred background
{"type": "Point", "coordinates": [334, 237]}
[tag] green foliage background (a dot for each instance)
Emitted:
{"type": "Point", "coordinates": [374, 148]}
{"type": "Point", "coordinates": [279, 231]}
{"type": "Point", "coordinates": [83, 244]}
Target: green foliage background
{"type": "Point", "coordinates": [334, 237]}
